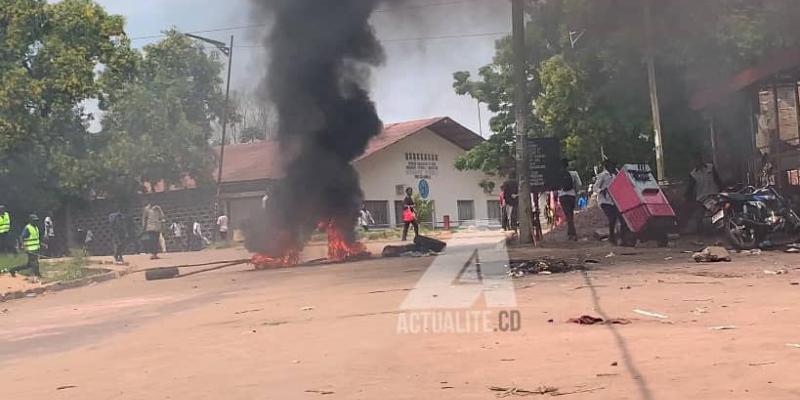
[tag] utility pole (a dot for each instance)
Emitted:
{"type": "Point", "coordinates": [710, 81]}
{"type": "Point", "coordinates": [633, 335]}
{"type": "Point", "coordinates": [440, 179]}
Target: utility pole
{"type": "Point", "coordinates": [524, 214]}
{"type": "Point", "coordinates": [651, 78]}
{"type": "Point", "coordinates": [227, 51]}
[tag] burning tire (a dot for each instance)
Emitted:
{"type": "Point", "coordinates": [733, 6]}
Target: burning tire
{"type": "Point", "coordinates": [161, 273]}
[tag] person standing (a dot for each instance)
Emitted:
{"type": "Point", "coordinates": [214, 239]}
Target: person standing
{"type": "Point", "coordinates": [409, 214]}
{"type": "Point", "coordinates": [503, 216]}
{"type": "Point", "coordinates": [31, 245]}
{"type": "Point", "coordinates": [511, 200]}
{"type": "Point", "coordinates": [152, 224]}
{"type": "Point", "coordinates": [119, 234]}
{"type": "Point", "coordinates": [178, 231]}
{"type": "Point", "coordinates": [49, 237]}
{"type": "Point", "coordinates": [606, 202]}
{"type": "Point", "coordinates": [570, 180]}
{"type": "Point", "coordinates": [6, 243]}
{"type": "Point", "coordinates": [704, 182]}
{"type": "Point", "coordinates": [365, 218]}
{"type": "Point", "coordinates": [222, 227]}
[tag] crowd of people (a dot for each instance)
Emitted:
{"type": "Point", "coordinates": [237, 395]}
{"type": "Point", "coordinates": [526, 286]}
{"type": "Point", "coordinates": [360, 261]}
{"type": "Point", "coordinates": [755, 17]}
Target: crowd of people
{"type": "Point", "coordinates": [38, 238]}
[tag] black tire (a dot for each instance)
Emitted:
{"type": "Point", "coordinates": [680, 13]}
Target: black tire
{"type": "Point", "coordinates": [742, 238]}
{"type": "Point", "coordinates": [161, 273]}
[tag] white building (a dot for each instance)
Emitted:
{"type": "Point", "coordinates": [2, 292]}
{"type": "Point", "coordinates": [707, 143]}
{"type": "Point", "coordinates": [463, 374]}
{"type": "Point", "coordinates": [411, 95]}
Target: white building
{"type": "Point", "coordinates": [414, 154]}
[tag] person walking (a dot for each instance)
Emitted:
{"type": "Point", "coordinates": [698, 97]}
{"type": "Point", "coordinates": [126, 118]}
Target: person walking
{"type": "Point", "coordinates": [569, 181]}
{"type": "Point", "coordinates": [119, 234]}
{"type": "Point", "coordinates": [704, 182]}
{"type": "Point", "coordinates": [222, 227]}
{"type": "Point", "coordinates": [200, 240]}
{"type": "Point", "coordinates": [6, 242]}
{"type": "Point", "coordinates": [152, 224]}
{"type": "Point", "coordinates": [365, 218]}
{"type": "Point", "coordinates": [607, 203]}
{"type": "Point", "coordinates": [31, 244]}
{"type": "Point", "coordinates": [409, 214]}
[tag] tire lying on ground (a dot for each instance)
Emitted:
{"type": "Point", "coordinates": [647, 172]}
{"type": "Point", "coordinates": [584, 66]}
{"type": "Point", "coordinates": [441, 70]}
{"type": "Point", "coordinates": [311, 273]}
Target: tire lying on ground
{"type": "Point", "coordinates": [425, 243]}
{"type": "Point", "coordinates": [161, 273]}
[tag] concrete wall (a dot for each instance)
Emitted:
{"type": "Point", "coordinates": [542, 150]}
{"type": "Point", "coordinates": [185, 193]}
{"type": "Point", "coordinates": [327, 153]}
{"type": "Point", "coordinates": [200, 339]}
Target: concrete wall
{"type": "Point", "coordinates": [383, 171]}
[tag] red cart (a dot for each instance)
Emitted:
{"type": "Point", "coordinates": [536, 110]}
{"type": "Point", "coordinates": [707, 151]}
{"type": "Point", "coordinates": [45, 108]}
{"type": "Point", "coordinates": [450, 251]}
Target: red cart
{"type": "Point", "coordinates": [644, 207]}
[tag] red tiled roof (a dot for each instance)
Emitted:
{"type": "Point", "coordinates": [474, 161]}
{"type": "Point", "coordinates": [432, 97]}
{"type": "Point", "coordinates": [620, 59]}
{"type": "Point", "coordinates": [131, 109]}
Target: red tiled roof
{"type": "Point", "coordinates": [262, 160]}
{"type": "Point", "coordinates": [780, 61]}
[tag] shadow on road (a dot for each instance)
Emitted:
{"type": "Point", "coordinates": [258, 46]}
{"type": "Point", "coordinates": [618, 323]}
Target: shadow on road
{"type": "Point", "coordinates": [637, 376]}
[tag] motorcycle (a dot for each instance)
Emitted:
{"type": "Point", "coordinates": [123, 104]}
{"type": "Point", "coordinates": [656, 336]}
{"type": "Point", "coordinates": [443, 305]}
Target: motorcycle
{"type": "Point", "coordinates": [750, 216]}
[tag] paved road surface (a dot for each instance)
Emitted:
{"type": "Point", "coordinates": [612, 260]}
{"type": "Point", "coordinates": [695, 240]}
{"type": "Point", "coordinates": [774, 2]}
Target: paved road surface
{"type": "Point", "coordinates": [306, 331]}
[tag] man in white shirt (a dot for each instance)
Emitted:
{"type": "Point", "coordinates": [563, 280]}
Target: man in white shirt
{"type": "Point", "coordinates": [571, 181]}
{"type": "Point", "coordinates": [222, 226]}
{"type": "Point", "coordinates": [607, 203]}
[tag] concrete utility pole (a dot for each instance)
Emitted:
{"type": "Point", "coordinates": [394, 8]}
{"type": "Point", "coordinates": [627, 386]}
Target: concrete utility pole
{"type": "Point", "coordinates": [521, 113]}
{"type": "Point", "coordinates": [651, 78]}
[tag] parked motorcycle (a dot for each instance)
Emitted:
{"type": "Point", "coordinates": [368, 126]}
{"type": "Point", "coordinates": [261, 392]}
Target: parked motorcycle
{"type": "Point", "coordinates": [751, 216]}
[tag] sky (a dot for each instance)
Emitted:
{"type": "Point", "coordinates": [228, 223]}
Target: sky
{"type": "Point", "coordinates": [416, 80]}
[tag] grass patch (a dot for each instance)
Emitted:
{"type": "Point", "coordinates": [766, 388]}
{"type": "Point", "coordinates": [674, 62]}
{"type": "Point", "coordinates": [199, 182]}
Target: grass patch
{"type": "Point", "coordinates": [71, 268]}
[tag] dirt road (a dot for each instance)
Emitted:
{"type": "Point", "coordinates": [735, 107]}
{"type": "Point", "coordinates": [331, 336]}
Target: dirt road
{"type": "Point", "coordinates": [337, 331]}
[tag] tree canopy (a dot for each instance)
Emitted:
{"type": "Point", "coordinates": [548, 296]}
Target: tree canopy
{"type": "Point", "coordinates": [160, 105]}
{"type": "Point", "coordinates": [588, 82]}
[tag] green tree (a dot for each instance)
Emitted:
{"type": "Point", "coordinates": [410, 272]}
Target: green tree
{"type": "Point", "coordinates": [593, 93]}
{"type": "Point", "coordinates": [159, 125]}
{"type": "Point", "coordinates": [49, 55]}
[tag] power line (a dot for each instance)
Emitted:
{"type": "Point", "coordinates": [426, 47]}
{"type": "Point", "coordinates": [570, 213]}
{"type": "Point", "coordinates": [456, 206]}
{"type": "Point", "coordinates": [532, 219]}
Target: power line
{"type": "Point", "coordinates": [255, 26]}
{"type": "Point", "coordinates": [413, 39]}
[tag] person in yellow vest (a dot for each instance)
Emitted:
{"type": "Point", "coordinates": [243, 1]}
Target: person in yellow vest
{"type": "Point", "coordinates": [31, 244]}
{"type": "Point", "coordinates": [6, 245]}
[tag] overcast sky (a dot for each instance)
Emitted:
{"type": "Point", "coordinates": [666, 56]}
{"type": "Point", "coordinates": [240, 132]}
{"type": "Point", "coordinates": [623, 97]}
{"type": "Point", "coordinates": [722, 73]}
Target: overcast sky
{"type": "Point", "coordinates": [416, 81]}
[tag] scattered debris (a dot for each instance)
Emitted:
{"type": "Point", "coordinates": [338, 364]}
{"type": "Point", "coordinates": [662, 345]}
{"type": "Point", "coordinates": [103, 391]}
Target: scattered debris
{"type": "Point", "coordinates": [777, 272]}
{"type": "Point", "coordinates": [759, 364]}
{"type": "Point", "coordinates": [247, 311]}
{"type": "Point", "coordinates": [308, 308]}
{"type": "Point", "coordinates": [753, 252]}
{"type": "Point", "coordinates": [701, 310]}
{"type": "Point", "coordinates": [578, 391]}
{"type": "Point", "coordinates": [590, 320]}
{"type": "Point", "coordinates": [323, 392]}
{"type": "Point", "coordinates": [295, 361]}
{"type": "Point", "coordinates": [795, 345]}
{"type": "Point", "coordinates": [611, 254]}
{"type": "Point", "coordinates": [507, 359]}
{"type": "Point", "coordinates": [667, 258]}
{"type": "Point", "coordinates": [650, 314]}
{"type": "Point", "coordinates": [605, 375]}
{"type": "Point", "coordinates": [601, 233]}
{"type": "Point", "coordinates": [794, 283]}
{"type": "Point", "coordinates": [614, 364]}
{"type": "Point", "coordinates": [708, 299]}
{"type": "Point", "coordinates": [515, 391]}
{"type": "Point", "coordinates": [723, 328]}
{"type": "Point", "coordinates": [591, 261]}
{"type": "Point", "coordinates": [712, 254]}
{"type": "Point", "coordinates": [389, 290]}
{"type": "Point", "coordinates": [792, 250]}
{"type": "Point", "coordinates": [66, 387]}
{"type": "Point", "coordinates": [543, 266]}
{"type": "Point", "coordinates": [794, 245]}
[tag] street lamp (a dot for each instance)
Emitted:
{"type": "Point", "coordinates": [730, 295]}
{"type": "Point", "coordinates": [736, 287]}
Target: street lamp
{"type": "Point", "coordinates": [228, 51]}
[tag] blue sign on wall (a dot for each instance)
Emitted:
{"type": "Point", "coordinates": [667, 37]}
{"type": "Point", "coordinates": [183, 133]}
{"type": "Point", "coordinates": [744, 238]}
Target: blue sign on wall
{"type": "Point", "coordinates": [424, 189]}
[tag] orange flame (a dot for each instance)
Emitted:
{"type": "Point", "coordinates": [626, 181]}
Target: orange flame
{"type": "Point", "coordinates": [339, 249]}
{"type": "Point", "coordinates": [262, 261]}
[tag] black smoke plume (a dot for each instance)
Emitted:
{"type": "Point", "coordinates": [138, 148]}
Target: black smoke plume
{"type": "Point", "coordinates": [320, 52]}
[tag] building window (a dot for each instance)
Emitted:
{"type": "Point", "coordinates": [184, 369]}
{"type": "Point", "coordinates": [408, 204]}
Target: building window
{"type": "Point", "coordinates": [466, 210]}
{"type": "Point", "coordinates": [379, 210]}
{"type": "Point", "coordinates": [493, 210]}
